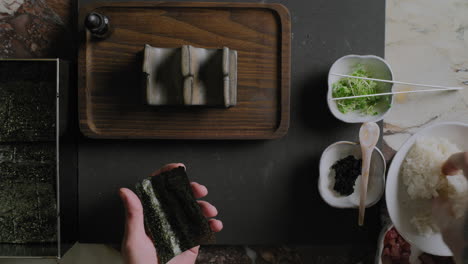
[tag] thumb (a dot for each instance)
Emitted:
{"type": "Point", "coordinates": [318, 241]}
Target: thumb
{"type": "Point", "coordinates": [188, 256]}
{"type": "Point", "coordinates": [441, 212]}
{"type": "Point", "coordinates": [134, 223]}
{"type": "Point", "coordinates": [455, 163]}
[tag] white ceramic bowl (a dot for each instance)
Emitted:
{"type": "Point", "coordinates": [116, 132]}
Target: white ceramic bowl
{"type": "Point", "coordinates": [340, 150]}
{"type": "Point", "coordinates": [379, 68]}
{"type": "Point", "coordinates": [401, 207]}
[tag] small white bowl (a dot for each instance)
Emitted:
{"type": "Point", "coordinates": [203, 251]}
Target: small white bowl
{"type": "Point", "coordinates": [379, 68]}
{"type": "Point", "coordinates": [340, 150]}
{"type": "Point", "coordinates": [400, 207]}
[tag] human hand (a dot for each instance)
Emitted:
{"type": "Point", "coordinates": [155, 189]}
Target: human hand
{"type": "Point", "coordinates": [452, 229]}
{"type": "Point", "coordinates": [455, 163]}
{"type": "Point", "coordinates": [137, 247]}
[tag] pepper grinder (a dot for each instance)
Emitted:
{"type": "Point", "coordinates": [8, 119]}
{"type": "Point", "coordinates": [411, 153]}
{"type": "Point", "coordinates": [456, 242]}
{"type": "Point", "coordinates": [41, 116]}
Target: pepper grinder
{"type": "Point", "coordinates": [97, 24]}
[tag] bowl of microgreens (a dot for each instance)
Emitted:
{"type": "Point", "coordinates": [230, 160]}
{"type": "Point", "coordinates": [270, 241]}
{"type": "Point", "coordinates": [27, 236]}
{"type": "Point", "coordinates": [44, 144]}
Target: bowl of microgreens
{"type": "Point", "coordinates": [364, 108]}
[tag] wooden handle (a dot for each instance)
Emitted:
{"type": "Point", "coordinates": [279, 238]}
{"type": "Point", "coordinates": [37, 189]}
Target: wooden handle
{"type": "Point", "coordinates": [366, 158]}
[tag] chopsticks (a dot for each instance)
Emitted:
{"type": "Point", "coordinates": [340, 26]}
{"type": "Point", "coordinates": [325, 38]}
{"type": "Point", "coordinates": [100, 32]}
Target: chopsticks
{"type": "Point", "coordinates": [439, 88]}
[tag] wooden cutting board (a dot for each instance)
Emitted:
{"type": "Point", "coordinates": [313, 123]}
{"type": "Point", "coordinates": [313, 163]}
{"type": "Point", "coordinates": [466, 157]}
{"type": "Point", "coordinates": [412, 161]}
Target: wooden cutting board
{"type": "Point", "coordinates": [110, 89]}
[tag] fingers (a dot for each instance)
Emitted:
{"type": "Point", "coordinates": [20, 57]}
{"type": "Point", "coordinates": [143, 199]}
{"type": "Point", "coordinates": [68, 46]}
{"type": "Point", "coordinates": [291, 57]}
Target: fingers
{"type": "Point", "coordinates": [167, 167]}
{"type": "Point", "coordinates": [199, 191]}
{"type": "Point", "coordinates": [215, 225]}
{"type": "Point", "coordinates": [134, 223]}
{"type": "Point", "coordinates": [456, 162]}
{"type": "Point", "coordinates": [208, 209]}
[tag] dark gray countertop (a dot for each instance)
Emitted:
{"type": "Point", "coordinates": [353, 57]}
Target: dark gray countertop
{"type": "Point", "coordinates": [265, 191]}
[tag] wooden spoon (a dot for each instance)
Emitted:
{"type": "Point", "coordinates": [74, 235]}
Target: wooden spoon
{"type": "Point", "coordinates": [368, 137]}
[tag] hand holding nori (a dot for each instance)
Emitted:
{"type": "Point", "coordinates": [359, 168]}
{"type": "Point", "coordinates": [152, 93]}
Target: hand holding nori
{"type": "Point", "coordinates": [173, 218]}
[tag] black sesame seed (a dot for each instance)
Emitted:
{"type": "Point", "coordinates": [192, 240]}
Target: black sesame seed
{"type": "Point", "coordinates": [346, 172]}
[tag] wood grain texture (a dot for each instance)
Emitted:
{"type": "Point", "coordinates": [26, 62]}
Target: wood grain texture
{"type": "Point", "coordinates": [110, 91]}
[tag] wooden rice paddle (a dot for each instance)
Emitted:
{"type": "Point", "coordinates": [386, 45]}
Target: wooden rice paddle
{"type": "Point", "coordinates": [368, 137]}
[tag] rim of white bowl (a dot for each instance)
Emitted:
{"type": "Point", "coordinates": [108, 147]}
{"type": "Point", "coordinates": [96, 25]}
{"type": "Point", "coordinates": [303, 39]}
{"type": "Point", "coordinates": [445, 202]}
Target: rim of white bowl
{"type": "Point", "coordinates": [329, 88]}
{"type": "Point", "coordinates": [380, 242]}
{"type": "Point", "coordinates": [383, 175]}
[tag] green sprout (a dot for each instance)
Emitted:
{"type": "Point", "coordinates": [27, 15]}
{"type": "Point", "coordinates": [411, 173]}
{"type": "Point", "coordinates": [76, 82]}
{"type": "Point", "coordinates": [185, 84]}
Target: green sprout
{"type": "Point", "coordinates": [352, 87]}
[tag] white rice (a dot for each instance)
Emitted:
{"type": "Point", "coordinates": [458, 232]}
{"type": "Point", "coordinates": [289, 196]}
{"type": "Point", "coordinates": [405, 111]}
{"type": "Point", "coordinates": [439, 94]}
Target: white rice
{"type": "Point", "coordinates": [423, 178]}
{"type": "Point", "coordinates": [424, 224]}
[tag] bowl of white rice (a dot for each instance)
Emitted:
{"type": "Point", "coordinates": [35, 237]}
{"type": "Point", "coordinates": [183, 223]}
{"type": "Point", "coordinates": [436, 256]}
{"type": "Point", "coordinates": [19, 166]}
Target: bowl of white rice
{"type": "Point", "coordinates": [414, 179]}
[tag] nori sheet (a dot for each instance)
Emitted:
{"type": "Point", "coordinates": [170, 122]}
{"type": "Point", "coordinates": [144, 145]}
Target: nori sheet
{"type": "Point", "coordinates": [28, 206]}
{"type": "Point", "coordinates": [27, 101]}
{"type": "Point", "coordinates": [27, 193]}
{"type": "Point", "coordinates": [173, 218]}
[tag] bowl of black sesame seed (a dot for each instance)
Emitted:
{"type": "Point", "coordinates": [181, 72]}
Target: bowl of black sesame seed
{"type": "Point", "coordinates": [340, 175]}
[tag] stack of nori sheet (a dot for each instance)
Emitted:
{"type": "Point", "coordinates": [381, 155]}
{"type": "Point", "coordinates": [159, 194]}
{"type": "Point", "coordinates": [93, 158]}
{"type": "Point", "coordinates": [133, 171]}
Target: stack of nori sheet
{"type": "Point", "coordinates": [27, 196]}
{"type": "Point", "coordinates": [28, 206]}
{"type": "Point", "coordinates": [173, 217]}
{"type": "Point", "coordinates": [27, 101]}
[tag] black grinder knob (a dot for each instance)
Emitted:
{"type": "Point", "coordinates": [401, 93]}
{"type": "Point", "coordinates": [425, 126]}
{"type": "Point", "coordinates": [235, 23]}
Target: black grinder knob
{"type": "Point", "coordinates": [97, 24]}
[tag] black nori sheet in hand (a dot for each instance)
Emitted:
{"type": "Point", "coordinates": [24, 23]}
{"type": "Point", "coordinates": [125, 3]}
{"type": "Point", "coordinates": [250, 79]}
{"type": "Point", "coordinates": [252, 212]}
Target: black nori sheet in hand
{"type": "Point", "coordinates": [173, 217]}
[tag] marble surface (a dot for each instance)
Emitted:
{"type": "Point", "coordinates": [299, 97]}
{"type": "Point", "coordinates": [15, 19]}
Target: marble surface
{"type": "Point", "coordinates": [426, 42]}
{"type": "Point", "coordinates": [36, 29]}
